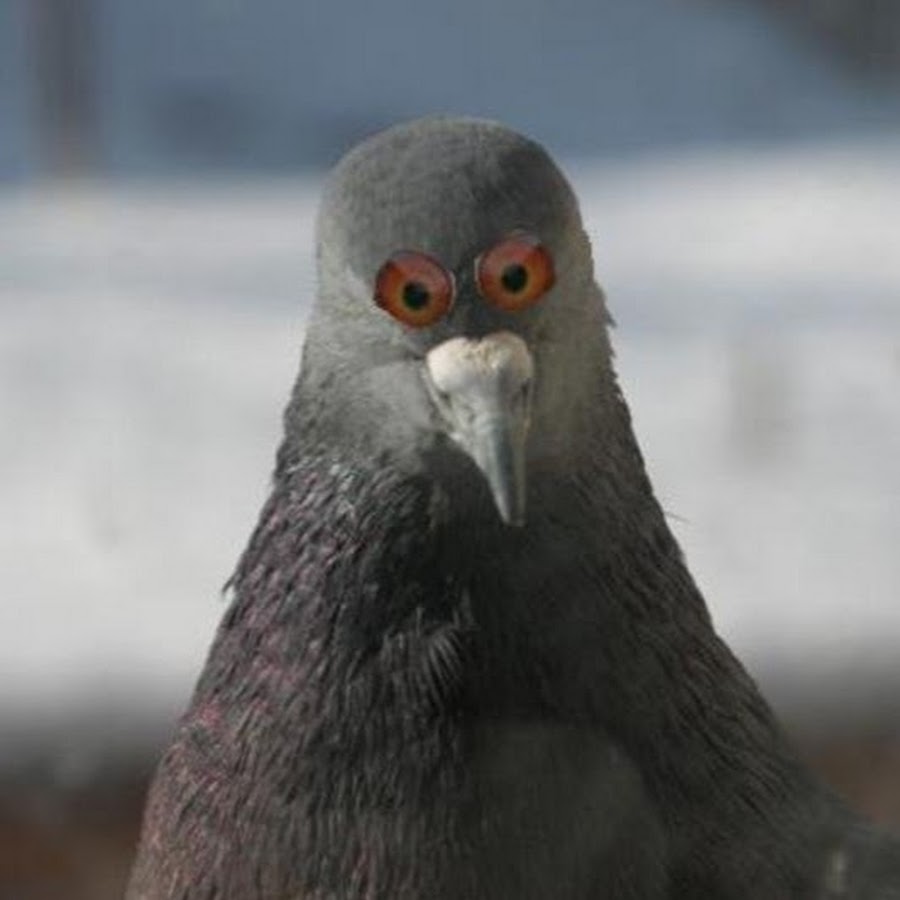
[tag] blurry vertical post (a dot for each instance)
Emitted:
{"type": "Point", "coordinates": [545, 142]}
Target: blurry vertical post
{"type": "Point", "coordinates": [62, 35]}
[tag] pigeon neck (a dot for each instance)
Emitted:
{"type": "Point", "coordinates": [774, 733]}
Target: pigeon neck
{"type": "Point", "coordinates": [672, 695]}
{"type": "Point", "coordinates": [357, 622]}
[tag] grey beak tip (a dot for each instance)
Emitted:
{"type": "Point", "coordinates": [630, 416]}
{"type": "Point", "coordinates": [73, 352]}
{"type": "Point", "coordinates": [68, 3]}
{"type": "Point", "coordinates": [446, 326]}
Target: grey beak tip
{"type": "Point", "coordinates": [512, 519]}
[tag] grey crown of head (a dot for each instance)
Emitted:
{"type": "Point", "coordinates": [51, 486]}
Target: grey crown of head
{"type": "Point", "coordinates": [449, 187]}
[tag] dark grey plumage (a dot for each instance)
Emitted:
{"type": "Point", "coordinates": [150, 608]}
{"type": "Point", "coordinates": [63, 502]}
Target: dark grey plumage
{"type": "Point", "coordinates": [409, 698]}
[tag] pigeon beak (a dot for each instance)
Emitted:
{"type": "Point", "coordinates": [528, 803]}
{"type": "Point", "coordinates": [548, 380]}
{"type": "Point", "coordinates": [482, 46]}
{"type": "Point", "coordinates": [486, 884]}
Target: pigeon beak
{"type": "Point", "coordinates": [482, 388]}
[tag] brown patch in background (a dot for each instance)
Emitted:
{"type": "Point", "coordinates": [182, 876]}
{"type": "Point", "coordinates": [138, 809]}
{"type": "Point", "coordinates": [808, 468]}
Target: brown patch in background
{"type": "Point", "coordinates": [76, 843]}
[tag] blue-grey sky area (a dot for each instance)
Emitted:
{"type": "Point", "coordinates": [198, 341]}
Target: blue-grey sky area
{"type": "Point", "coordinates": [274, 85]}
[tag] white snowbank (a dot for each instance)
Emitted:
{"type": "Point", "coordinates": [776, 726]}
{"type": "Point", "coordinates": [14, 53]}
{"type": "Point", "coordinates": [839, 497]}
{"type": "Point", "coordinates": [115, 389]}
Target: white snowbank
{"type": "Point", "coordinates": [149, 336]}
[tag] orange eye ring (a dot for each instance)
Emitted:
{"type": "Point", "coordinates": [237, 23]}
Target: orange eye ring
{"type": "Point", "coordinates": [414, 288]}
{"type": "Point", "coordinates": [515, 273]}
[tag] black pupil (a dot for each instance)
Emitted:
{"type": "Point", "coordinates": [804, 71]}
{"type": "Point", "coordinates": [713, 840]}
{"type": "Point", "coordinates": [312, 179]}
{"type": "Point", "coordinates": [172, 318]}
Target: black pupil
{"type": "Point", "coordinates": [514, 277]}
{"type": "Point", "coordinates": [415, 295]}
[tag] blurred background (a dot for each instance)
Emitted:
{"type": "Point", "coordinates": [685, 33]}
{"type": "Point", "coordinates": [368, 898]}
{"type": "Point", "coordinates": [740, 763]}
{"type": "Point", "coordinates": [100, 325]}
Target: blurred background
{"type": "Point", "coordinates": [738, 163]}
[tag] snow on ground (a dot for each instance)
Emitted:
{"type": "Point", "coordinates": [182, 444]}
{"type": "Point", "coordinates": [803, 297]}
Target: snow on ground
{"type": "Point", "coordinates": [149, 335]}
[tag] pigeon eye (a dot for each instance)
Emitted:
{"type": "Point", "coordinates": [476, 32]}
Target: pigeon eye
{"type": "Point", "coordinates": [414, 288]}
{"type": "Point", "coordinates": [515, 273]}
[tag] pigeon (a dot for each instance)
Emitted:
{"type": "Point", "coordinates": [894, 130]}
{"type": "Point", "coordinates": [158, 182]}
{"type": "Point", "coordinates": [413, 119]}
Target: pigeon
{"type": "Point", "coordinates": [463, 658]}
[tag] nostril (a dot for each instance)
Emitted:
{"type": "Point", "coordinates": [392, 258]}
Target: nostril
{"type": "Point", "coordinates": [499, 365]}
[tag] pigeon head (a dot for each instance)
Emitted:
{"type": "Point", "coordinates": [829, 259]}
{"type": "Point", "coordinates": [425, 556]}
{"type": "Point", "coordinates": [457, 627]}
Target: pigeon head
{"type": "Point", "coordinates": [457, 316]}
